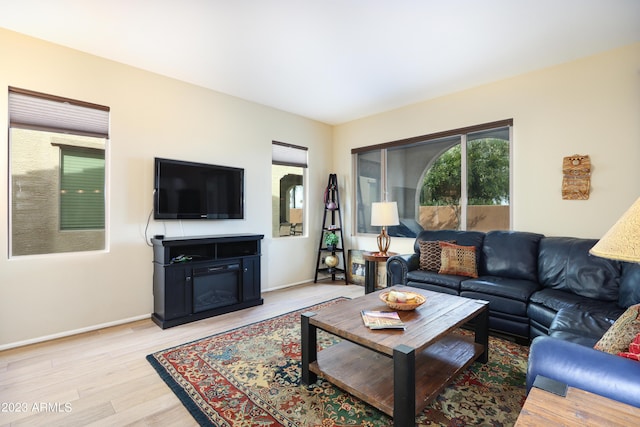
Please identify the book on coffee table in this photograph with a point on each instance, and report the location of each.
(382, 320)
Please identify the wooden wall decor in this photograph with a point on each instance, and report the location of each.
(576, 177)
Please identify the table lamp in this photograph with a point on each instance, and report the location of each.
(622, 241)
(384, 214)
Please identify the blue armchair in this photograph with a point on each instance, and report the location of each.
(583, 367)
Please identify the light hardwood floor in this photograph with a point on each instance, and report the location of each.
(102, 378)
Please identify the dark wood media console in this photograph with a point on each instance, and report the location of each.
(199, 277)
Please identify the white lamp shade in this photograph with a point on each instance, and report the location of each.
(384, 213)
(622, 241)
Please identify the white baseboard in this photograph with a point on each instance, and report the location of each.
(288, 285)
(303, 282)
(73, 332)
(109, 324)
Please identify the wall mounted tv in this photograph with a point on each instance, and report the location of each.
(190, 190)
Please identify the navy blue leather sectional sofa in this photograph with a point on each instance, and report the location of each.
(546, 289)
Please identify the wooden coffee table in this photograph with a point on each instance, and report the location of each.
(396, 371)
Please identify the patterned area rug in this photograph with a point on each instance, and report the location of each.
(250, 376)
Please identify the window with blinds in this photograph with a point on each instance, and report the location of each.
(57, 174)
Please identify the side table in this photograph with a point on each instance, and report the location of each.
(578, 408)
(371, 260)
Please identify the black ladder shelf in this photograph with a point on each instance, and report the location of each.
(331, 214)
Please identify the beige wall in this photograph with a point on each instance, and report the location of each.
(43, 296)
(589, 106)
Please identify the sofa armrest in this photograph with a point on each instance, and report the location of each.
(399, 265)
(585, 368)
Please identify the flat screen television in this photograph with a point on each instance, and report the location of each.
(190, 190)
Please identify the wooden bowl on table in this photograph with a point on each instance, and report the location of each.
(413, 300)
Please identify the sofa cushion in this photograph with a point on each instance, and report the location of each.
(500, 304)
(430, 254)
(432, 287)
(458, 260)
(504, 295)
(621, 333)
(579, 326)
(515, 289)
(557, 300)
(564, 263)
(511, 254)
(546, 303)
(442, 280)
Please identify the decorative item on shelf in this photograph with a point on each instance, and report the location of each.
(576, 177)
(330, 204)
(384, 214)
(331, 240)
(331, 261)
(622, 241)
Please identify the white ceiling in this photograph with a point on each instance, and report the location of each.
(332, 60)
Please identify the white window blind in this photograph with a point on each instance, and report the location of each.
(288, 154)
(37, 111)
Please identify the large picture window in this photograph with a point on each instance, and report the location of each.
(458, 179)
(57, 174)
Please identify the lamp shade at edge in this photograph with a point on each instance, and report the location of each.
(622, 241)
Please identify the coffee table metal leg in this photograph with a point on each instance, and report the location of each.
(404, 386)
(482, 333)
(308, 347)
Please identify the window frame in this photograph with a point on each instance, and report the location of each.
(459, 132)
(65, 117)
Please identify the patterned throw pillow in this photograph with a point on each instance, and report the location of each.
(621, 333)
(458, 260)
(430, 254)
(634, 350)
